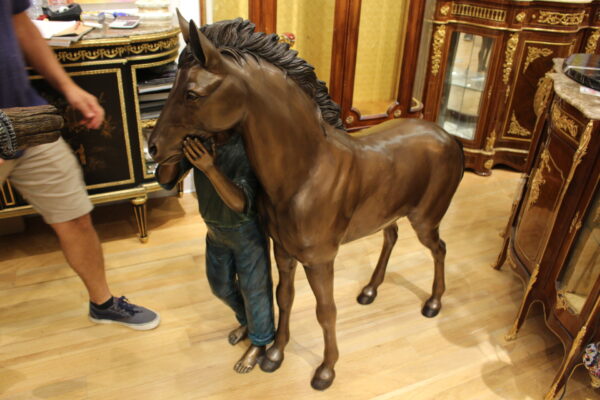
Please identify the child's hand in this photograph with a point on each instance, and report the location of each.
(197, 154)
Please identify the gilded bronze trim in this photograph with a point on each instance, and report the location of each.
(533, 53)
(503, 28)
(436, 53)
(145, 46)
(521, 16)
(563, 123)
(575, 223)
(592, 42)
(575, 348)
(496, 150)
(445, 9)
(538, 179)
(557, 18)
(515, 128)
(485, 13)
(542, 95)
(512, 334)
(489, 164)
(509, 54)
(490, 141)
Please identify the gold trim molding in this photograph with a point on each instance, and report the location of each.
(521, 16)
(556, 18)
(533, 53)
(488, 14)
(592, 43)
(111, 53)
(575, 223)
(542, 94)
(436, 53)
(509, 55)
(445, 9)
(515, 128)
(490, 141)
(562, 122)
(538, 178)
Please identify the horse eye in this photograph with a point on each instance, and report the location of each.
(191, 95)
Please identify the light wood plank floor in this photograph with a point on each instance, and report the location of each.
(49, 349)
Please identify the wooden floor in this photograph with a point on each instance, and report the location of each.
(49, 349)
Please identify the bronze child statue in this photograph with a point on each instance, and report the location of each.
(237, 257)
(321, 187)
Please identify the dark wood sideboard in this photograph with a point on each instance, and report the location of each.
(486, 61)
(108, 64)
(552, 240)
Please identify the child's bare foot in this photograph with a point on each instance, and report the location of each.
(249, 359)
(237, 335)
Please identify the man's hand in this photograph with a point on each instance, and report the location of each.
(197, 154)
(87, 104)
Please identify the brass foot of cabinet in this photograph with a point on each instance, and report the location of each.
(139, 209)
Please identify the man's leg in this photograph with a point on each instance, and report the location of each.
(50, 179)
(82, 249)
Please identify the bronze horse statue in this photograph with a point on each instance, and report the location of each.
(321, 186)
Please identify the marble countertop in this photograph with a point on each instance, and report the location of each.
(143, 28)
(568, 90)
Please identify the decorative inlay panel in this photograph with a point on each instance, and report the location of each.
(533, 53)
(563, 122)
(556, 18)
(438, 42)
(515, 128)
(592, 43)
(489, 14)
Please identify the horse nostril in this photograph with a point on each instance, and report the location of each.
(152, 150)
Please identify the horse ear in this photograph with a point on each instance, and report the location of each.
(203, 50)
(184, 26)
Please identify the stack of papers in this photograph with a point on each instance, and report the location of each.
(61, 33)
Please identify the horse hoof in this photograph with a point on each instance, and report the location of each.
(431, 309)
(271, 361)
(367, 296)
(323, 378)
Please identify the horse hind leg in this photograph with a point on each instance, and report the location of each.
(369, 292)
(430, 237)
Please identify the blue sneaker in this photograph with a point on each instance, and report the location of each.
(124, 313)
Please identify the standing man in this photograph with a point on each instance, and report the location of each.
(48, 176)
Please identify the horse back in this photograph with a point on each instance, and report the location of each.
(405, 167)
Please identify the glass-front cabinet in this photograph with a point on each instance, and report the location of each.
(485, 72)
(582, 269)
(552, 240)
(464, 83)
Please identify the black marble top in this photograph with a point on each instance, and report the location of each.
(584, 69)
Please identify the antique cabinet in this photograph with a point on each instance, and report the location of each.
(107, 64)
(486, 62)
(553, 236)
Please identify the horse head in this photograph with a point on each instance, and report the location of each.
(207, 97)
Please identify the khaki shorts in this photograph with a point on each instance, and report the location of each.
(49, 177)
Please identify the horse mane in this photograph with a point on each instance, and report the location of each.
(238, 36)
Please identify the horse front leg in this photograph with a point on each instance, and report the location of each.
(286, 265)
(320, 278)
(369, 292)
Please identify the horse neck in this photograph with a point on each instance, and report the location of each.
(283, 135)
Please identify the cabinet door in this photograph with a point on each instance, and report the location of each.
(523, 73)
(105, 154)
(549, 182)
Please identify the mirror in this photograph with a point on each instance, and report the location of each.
(583, 265)
(466, 74)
